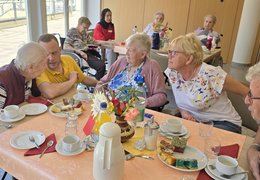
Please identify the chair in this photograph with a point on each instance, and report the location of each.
(4, 175)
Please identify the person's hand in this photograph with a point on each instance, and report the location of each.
(187, 115)
(83, 55)
(73, 76)
(253, 156)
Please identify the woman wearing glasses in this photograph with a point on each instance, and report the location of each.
(253, 102)
(199, 88)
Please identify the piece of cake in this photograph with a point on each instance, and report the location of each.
(179, 143)
(191, 163)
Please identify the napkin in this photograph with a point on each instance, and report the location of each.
(230, 150)
(89, 125)
(36, 151)
(32, 99)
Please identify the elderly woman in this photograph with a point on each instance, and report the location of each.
(253, 102)
(134, 64)
(158, 19)
(199, 88)
(202, 33)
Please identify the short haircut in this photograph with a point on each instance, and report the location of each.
(214, 18)
(47, 38)
(141, 40)
(253, 72)
(85, 20)
(190, 45)
(30, 54)
(159, 13)
(103, 13)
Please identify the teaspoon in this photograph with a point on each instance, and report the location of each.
(49, 144)
(7, 126)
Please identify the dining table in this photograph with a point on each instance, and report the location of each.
(56, 166)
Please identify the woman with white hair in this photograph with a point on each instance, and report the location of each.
(135, 64)
(17, 79)
(253, 101)
(199, 88)
(158, 20)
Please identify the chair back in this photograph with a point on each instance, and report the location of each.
(60, 39)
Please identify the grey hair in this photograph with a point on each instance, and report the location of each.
(141, 40)
(253, 71)
(159, 13)
(214, 18)
(29, 54)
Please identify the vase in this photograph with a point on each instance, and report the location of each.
(127, 131)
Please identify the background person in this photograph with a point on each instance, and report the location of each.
(62, 71)
(253, 102)
(17, 79)
(136, 63)
(199, 88)
(158, 20)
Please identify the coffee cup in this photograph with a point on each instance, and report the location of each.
(11, 111)
(71, 143)
(83, 95)
(175, 125)
(226, 165)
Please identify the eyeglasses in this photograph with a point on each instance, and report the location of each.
(173, 52)
(250, 97)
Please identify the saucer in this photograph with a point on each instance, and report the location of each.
(215, 174)
(165, 129)
(59, 149)
(34, 109)
(20, 116)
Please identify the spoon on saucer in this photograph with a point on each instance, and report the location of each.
(7, 126)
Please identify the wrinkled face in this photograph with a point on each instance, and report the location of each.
(108, 17)
(134, 55)
(54, 52)
(177, 58)
(83, 28)
(254, 104)
(208, 23)
(35, 70)
(158, 19)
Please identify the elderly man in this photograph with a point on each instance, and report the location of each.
(62, 71)
(78, 40)
(17, 79)
(253, 102)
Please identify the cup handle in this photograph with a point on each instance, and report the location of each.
(2, 111)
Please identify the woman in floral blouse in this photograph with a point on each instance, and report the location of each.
(199, 88)
(136, 63)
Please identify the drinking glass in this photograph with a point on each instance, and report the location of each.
(212, 147)
(205, 128)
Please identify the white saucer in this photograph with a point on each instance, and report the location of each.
(21, 140)
(20, 116)
(34, 108)
(215, 174)
(165, 129)
(59, 149)
(169, 136)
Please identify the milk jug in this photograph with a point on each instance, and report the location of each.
(109, 157)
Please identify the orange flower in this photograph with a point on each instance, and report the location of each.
(131, 114)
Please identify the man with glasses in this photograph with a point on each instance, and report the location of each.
(253, 102)
(62, 72)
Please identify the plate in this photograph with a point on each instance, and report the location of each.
(166, 130)
(21, 139)
(61, 114)
(59, 149)
(34, 109)
(20, 116)
(216, 174)
(169, 136)
(80, 99)
(189, 153)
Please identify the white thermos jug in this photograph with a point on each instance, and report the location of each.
(109, 157)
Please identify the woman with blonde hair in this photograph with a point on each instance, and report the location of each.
(199, 88)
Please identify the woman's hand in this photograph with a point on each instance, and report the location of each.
(253, 156)
(186, 115)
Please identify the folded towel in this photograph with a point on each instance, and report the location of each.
(36, 151)
(230, 150)
(32, 99)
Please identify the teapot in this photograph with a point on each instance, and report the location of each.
(109, 157)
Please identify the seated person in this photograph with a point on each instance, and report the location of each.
(62, 71)
(105, 31)
(158, 20)
(200, 89)
(202, 33)
(78, 39)
(253, 102)
(17, 79)
(123, 72)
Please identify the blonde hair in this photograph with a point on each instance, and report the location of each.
(159, 13)
(84, 20)
(190, 45)
(253, 72)
(214, 18)
(141, 40)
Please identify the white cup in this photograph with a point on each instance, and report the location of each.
(11, 111)
(83, 95)
(226, 165)
(71, 143)
(175, 125)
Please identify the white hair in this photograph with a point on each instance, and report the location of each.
(253, 72)
(29, 54)
(141, 40)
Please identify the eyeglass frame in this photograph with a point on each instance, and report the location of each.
(250, 97)
(174, 52)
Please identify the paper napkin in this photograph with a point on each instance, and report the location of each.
(32, 99)
(36, 151)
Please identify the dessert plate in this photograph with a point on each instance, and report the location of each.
(169, 135)
(216, 174)
(62, 114)
(21, 139)
(59, 149)
(20, 116)
(189, 153)
(34, 109)
(165, 129)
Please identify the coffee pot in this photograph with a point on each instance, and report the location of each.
(109, 157)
